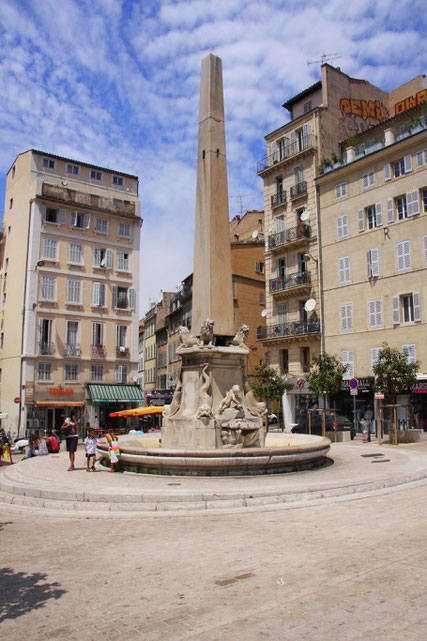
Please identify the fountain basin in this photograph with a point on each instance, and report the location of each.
(282, 453)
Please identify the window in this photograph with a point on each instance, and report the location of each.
(74, 292)
(95, 175)
(44, 371)
(373, 260)
(49, 249)
(118, 180)
(13, 171)
(123, 297)
(403, 255)
(71, 333)
(121, 337)
(342, 226)
(425, 249)
(402, 209)
(75, 253)
(262, 295)
(98, 294)
(101, 225)
(421, 158)
(307, 106)
(284, 360)
(408, 306)
(79, 220)
(233, 285)
(96, 373)
(102, 257)
(340, 190)
(282, 313)
(408, 205)
(424, 197)
(71, 372)
(120, 374)
(402, 167)
(48, 163)
(375, 353)
(305, 359)
(123, 261)
(368, 179)
(97, 334)
(11, 203)
(280, 224)
(259, 268)
(46, 336)
(347, 358)
(346, 317)
(299, 174)
(410, 352)
(48, 288)
(124, 230)
(344, 269)
(370, 217)
(375, 313)
(73, 169)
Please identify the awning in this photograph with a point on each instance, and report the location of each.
(140, 411)
(116, 393)
(60, 403)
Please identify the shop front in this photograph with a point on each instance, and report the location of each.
(47, 407)
(103, 399)
(296, 402)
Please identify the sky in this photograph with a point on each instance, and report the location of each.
(116, 83)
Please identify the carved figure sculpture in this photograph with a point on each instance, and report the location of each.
(205, 408)
(170, 410)
(187, 339)
(254, 407)
(232, 401)
(241, 336)
(206, 333)
(231, 438)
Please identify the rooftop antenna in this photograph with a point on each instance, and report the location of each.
(326, 57)
(241, 201)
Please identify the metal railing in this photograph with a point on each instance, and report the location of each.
(300, 189)
(72, 349)
(46, 349)
(98, 351)
(289, 282)
(288, 235)
(278, 199)
(284, 330)
(122, 352)
(287, 151)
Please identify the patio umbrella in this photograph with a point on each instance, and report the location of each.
(140, 411)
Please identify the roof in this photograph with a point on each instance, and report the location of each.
(302, 94)
(115, 393)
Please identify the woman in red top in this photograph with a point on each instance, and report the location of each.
(52, 443)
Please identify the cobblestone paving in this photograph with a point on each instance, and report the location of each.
(348, 571)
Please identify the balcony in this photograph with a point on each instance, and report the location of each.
(298, 190)
(46, 349)
(92, 201)
(98, 351)
(288, 236)
(278, 199)
(292, 284)
(72, 349)
(122, 352)
(287, 152)
(289, 330)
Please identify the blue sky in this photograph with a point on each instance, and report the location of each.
(116, 83)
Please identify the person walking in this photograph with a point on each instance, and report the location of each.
(90, 447)
(70, 428)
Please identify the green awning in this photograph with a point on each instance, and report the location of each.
(116, 393)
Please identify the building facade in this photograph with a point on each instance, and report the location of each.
(69, 331)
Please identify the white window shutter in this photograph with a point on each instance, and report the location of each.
(131, 298)
(372, 313)
(293, 148)
(114, 298)
(412, 202)
(274, 151)
(375, 352)
(369, 261)
(375, 263)
(43, 212)
(109, 258)
(421, 158)
(361, 219)
(407, 162)
(345, 225)
(378, 215)
(387, 171)
(73, 218)
(425, 249)
(417, 306)
(347, 358)
(395, 302)
(340, 227)
(87, 221)
(95, 293)
(410, 352)
(61, 216)
(390, 210)
(102, 294)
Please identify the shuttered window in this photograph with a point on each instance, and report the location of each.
(344, 269)
(373, 259)
(375, 313)
(375, 353)
(346, 317)
(342, 226)
(347, 358)
(410, 352)
(403, 255)
(368, 179)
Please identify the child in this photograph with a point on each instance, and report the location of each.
(113, 451)
(90, 447)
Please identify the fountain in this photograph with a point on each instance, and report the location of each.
(214, 425)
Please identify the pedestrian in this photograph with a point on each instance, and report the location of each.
(70, 429)
(52, 443)
(113, 451)
(42, 447)
(33, 446)
(90, 447)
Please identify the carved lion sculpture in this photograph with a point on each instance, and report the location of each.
(241, 336)
(187, 339)
(206, 333)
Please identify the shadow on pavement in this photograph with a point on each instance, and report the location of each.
(21, 593)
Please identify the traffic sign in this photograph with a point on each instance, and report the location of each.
(353, 383)
(353, 392)
(379, 396)
(17, 399)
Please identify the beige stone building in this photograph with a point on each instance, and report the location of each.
(374, 253)
(70, 273)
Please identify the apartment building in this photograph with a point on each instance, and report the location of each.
(69, 330)
(374, 254)
(328, 112)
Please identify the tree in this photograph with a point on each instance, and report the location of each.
(325, 376)
(393, 373)
(268, 385)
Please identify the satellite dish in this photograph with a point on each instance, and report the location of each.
(255, 233)
(310, 305)
(305, 216)
(264, 313)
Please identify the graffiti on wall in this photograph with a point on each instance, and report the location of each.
(411, 101)
(366, 109)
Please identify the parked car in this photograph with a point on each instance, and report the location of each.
(343, 424)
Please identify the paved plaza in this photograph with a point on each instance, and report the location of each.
(298, 564)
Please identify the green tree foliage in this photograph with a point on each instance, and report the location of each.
(392, 373)
(268, 384)
(326, 374)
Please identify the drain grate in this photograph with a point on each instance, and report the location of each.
(371, 455)
(381, 460)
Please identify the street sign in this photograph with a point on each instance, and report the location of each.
(17, 399)
(353, 392)
(379, 396)
(353, 383)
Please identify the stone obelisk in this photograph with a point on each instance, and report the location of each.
(212, 276)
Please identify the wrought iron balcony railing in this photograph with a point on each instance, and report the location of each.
(72, 349)
(278, 199)
(286, 151)
(122, 352)
(46, 349)
(284, 330)
(288, 236)
(300, 189)
(98, 351)
(289, 282)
